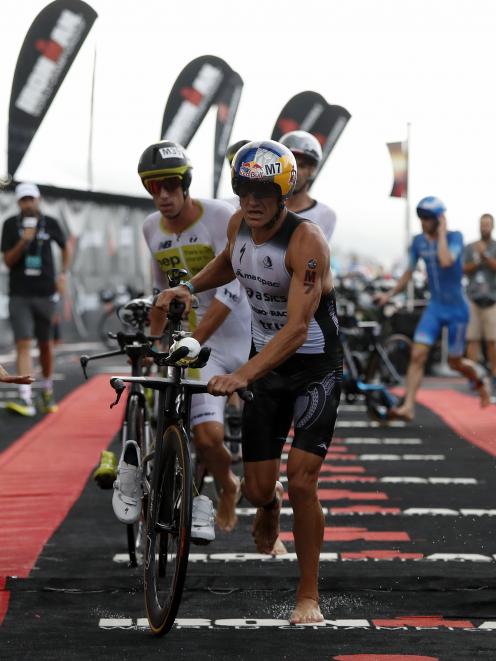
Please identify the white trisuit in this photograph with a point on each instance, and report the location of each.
(192, 250)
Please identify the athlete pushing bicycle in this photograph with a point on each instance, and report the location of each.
(295, 368)
(186, 233)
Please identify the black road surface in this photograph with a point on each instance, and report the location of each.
(407, 571)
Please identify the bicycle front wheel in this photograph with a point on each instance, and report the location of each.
(168, 530)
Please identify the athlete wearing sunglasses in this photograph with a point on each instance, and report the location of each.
(188, 233)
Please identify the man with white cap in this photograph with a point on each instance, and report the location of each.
(33, 288)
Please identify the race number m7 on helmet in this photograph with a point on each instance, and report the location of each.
(164, 160)
(304, 143)
(265, 162)
(430, 208)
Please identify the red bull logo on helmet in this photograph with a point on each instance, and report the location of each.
(251, 169)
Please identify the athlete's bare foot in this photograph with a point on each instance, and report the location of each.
(226, 508)
(278, 548)
(402, 412)
(484, 391)
(266, 525)
(307, 611)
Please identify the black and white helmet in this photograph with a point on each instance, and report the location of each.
(304, 143)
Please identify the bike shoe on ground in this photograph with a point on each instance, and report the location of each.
(106, 473)
(202, 522)
(128, 491)
(47, 402)
(21, 407)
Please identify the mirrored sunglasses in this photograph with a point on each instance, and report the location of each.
(154, 186)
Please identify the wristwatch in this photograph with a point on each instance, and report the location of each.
(189, 285)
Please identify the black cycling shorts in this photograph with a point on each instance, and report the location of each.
(305, 390)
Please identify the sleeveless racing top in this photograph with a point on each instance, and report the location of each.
(193, 249)
(262, 271)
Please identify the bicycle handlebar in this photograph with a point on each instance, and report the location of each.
(124, 340)
(118, 383)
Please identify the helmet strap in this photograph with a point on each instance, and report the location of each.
(276, 216)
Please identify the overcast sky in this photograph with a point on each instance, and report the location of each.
(389, 62)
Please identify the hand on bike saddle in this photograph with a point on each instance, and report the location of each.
(180, 293)
(226, 384)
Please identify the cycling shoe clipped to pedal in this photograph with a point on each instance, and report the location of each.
(202, 521)
(128, 489)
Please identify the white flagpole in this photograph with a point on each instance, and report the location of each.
(406, 149)
(90, 136)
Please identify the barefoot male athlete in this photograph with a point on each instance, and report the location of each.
(186, 232)
(295, 367)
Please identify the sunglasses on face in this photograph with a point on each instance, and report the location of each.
(259, 191)
(154, 186)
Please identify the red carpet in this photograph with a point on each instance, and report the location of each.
(464, 415)
(45, 471)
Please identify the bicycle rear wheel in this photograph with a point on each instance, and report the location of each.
(168, 530)
(397, 348)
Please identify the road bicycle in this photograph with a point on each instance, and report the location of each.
(370, 365)
(168, 490)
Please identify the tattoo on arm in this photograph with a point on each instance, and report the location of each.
(309, 281)
(310, 276)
